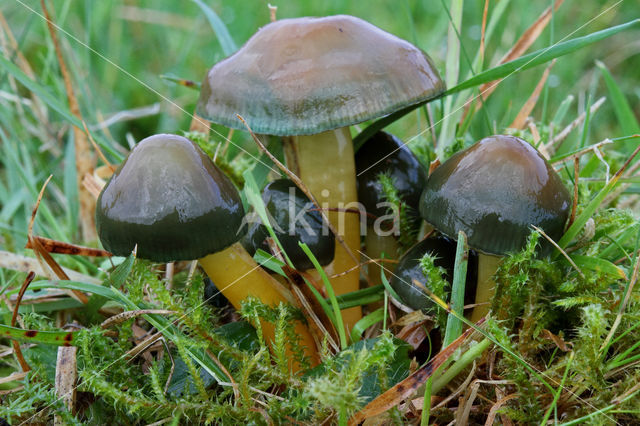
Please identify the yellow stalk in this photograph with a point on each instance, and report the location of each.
(237, 276)
(327, 168)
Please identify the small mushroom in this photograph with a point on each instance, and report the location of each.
(384, 153)
(311, 78)
(443, 249)
(494, 191)
(170, 200)
(294, 219)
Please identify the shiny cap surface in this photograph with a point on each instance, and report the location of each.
(308, 75)
(494, 191)
(171, 200)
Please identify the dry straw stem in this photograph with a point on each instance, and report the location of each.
(16, 345)
(60, 247)
(553, 144)
(524, 42)
(66, 377)
(521, 118)
(123, 316)
(43, 254)
(85, 160)
(408, 386)
(560, 250)
(12, 50)
(16, 262)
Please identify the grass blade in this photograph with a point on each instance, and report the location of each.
(339, 324)
(57, 338)
(52, 102)
(219, 28)
(451, 72)
(621, 107)
(542, 56)
(366, 322)
(454, 325)
(525, 62)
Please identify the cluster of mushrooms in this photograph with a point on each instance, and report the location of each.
(306, 81)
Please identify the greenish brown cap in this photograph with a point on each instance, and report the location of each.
(384, 153)
(409, 268)
(494, 191)
(171, 200)
(307, 75)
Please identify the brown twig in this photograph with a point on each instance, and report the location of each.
(16, 345)
(123, 316)
(60, 247)
(97, 148)
(85, 161)
(521, 118)
(576, 176)
(42, 254)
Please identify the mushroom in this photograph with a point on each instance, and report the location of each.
(170, 200)
(311, 78)
(384, 153)
(443, 249)
(294, 220)
(494, 191)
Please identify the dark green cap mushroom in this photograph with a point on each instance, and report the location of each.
(170, 200)
(494, 191)
(385, 153)
(294, 220)
(443, 250)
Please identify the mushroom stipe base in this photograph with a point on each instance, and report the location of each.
(238, 276)
(487, 267)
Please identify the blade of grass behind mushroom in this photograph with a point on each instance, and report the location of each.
(84, 159)
(506, 70)
(626, 118)
(593, 205)
(452, 69)
(219, 28)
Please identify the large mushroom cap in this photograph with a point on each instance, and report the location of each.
(307, 75)
(494, 191)
(385, 153)
(171, 200)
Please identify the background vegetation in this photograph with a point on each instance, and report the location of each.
(123, 58)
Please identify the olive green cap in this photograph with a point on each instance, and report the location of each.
(308, 75)
(294, 219)
(409, 268)
(171, 200)
(494, 191)
(384, 153)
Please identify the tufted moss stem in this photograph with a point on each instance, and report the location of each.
(238, 276)
(326, 166)
(487, 266)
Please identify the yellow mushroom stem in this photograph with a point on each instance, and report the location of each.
(237, 276)
(326, 166)
(485, 289)
(377, 245)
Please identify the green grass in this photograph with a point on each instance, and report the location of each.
(118, 52)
